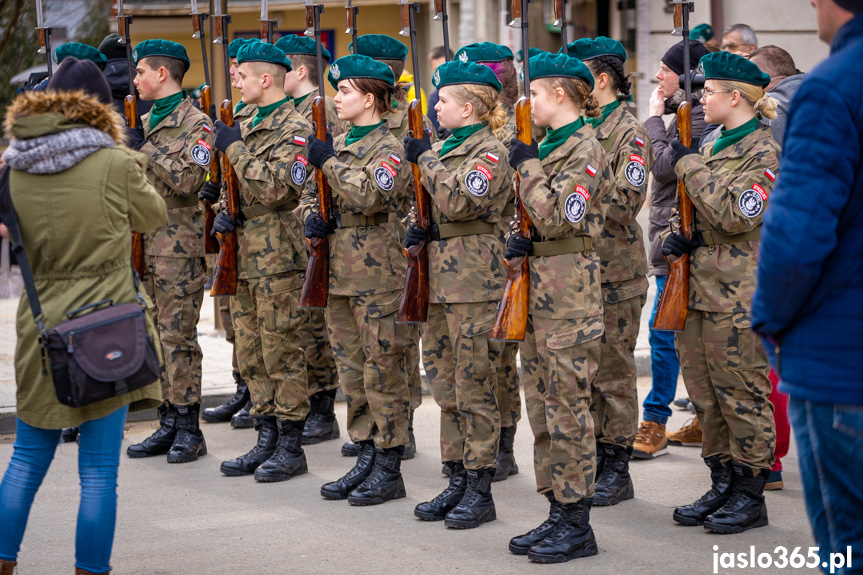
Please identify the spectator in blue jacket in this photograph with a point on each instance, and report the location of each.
(809, 302)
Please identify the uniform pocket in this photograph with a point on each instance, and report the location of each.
(275, 305)
(748, 352)
(194, 281)
(475, 349)
(381, 313)
(848, 420)
(578, 332)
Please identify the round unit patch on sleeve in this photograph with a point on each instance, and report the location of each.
(575, 205)
(476, 182)
(750, 203)
(384, 178)
(298, 172)
(634, 171)
(201, 155)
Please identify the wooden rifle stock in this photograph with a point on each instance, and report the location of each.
(211, 244)
(674, 301)
(225, 274)
(415, 295)
(511, 321)
(130, 107)
(316, 287)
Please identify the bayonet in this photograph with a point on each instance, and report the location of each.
(351, 12)
(267, 25)
(45, 37)
(442, 16)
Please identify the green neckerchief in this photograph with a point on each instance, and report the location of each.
(301, 99)
(357, 133)
(394, 103)
(240, 105)
(604, 113)
(554, 138)
(459, 135)
(730, 137)
(163, 107)
(264, 111)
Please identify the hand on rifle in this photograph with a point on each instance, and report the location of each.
(443, 133)
(210, 192)
(414, 147)
(136, 137)
(414, 236)
(676, 245)
(320, 151)
(316, 227)
(225, 224)
(518, 247)
(519, 152)
(226, 135)
(678, 150)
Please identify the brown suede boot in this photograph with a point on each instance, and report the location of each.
(79, 571)
(7, 567)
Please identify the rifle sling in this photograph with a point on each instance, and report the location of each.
(360, 220)
(260, 209)
(175, 202)
(714, 238)
(560, 247)
(439, 232)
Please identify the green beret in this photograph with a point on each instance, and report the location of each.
(548, 65)
(263, 52)
(293, 44)
(481, 52)
(235, 45)
(379, 47)
(359, 66)
(531, 52)
(587, 48)
(196, 93)
(458, 72)
(702, 33)
(164, 48)
(80, 52)
(728, 66)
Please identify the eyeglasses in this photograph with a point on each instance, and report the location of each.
(708, 93)
(731, 46)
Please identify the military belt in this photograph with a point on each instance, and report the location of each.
(559, 247)
(175, 202)
(714, 238)
(261, 209)
(508, 209)
(438, 232)
(360, 220)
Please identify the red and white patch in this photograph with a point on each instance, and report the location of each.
(206, 128)
(760, 191)
(770, 175)
(484, 171)
(583, 192)
(303, 159)
(205, 144)
(492, 158)
(395, 159)
(299, 140)
(591, 171)
(636, 158)
(639, 141)
(389, 168)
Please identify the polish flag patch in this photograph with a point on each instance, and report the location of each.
(205, 144)
(492, 158)
(760, 191)
(639, 141)
(770, 175)
(591, 171)
(206, 128)
(303, 159)
(389, 168)
(395, 159)
(580, 190)
(636, 158)
(484, 170)
(299, 140)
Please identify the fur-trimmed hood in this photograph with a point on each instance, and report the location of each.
(34, 114)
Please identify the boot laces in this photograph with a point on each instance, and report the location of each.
(643, 434)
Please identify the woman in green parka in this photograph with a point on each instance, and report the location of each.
(78, 194)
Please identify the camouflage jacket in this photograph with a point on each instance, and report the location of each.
(473, 181)
(179, 149)
(247, 111)
(510, 130)
(368, 177)
(397, 122)
(621, 247)
(566, 199)
(272, 170)
(335, 126)
(730, 193)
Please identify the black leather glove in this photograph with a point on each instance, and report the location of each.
(226, 135)
(320, 151)
(518, 247)
(414, 147)
(676, 245)
(225, 224)
(414, 236)
(317, 227)
(136, 137)
(212, 113)
(443, 133)
(678, 150)
(520, 152)
(210, 192)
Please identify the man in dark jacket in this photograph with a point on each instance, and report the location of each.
(116, 73)
(650, 441)
(809, 298)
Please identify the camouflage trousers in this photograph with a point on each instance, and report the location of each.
(508, 388)
(369, 349)
(176, 288)
(412, 357)
(266, 321)
(614, 397)
(315, 341)
(224, 304)
(726, 372)
(462, 363)
(559, 359)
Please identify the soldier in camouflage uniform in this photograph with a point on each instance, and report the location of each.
(177, 137)
(623, 259)
(470, 183)
(267, 151)
(566, 188)
(369, 181)
(724, 365)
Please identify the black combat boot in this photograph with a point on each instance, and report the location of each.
(321, 424)
(227, 410)
(437, 508)
(341, 488)
(350, 449)
(384, 482)
(268, 437)
(189, 442)
(600, 458)
(720, 492)
(162, 439)
(476, 506)
(614, 484)
(411, 447)
(745, 508)
(572, 536)
(69, 435)
(243, 418)
(506, 464)
(288, 459)
(521, 545)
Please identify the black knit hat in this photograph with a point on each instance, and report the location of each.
(84, 75)
(112, 48)
(674, 57)
(850, 5)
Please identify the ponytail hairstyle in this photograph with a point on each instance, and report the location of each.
(383, 92)
(754, 95)
(401, 88)
(578, 91)
(485, 101)
(613, 66)
(508, 77)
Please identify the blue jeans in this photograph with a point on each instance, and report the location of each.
(664, 367)
(98, 460)
(830, 451)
